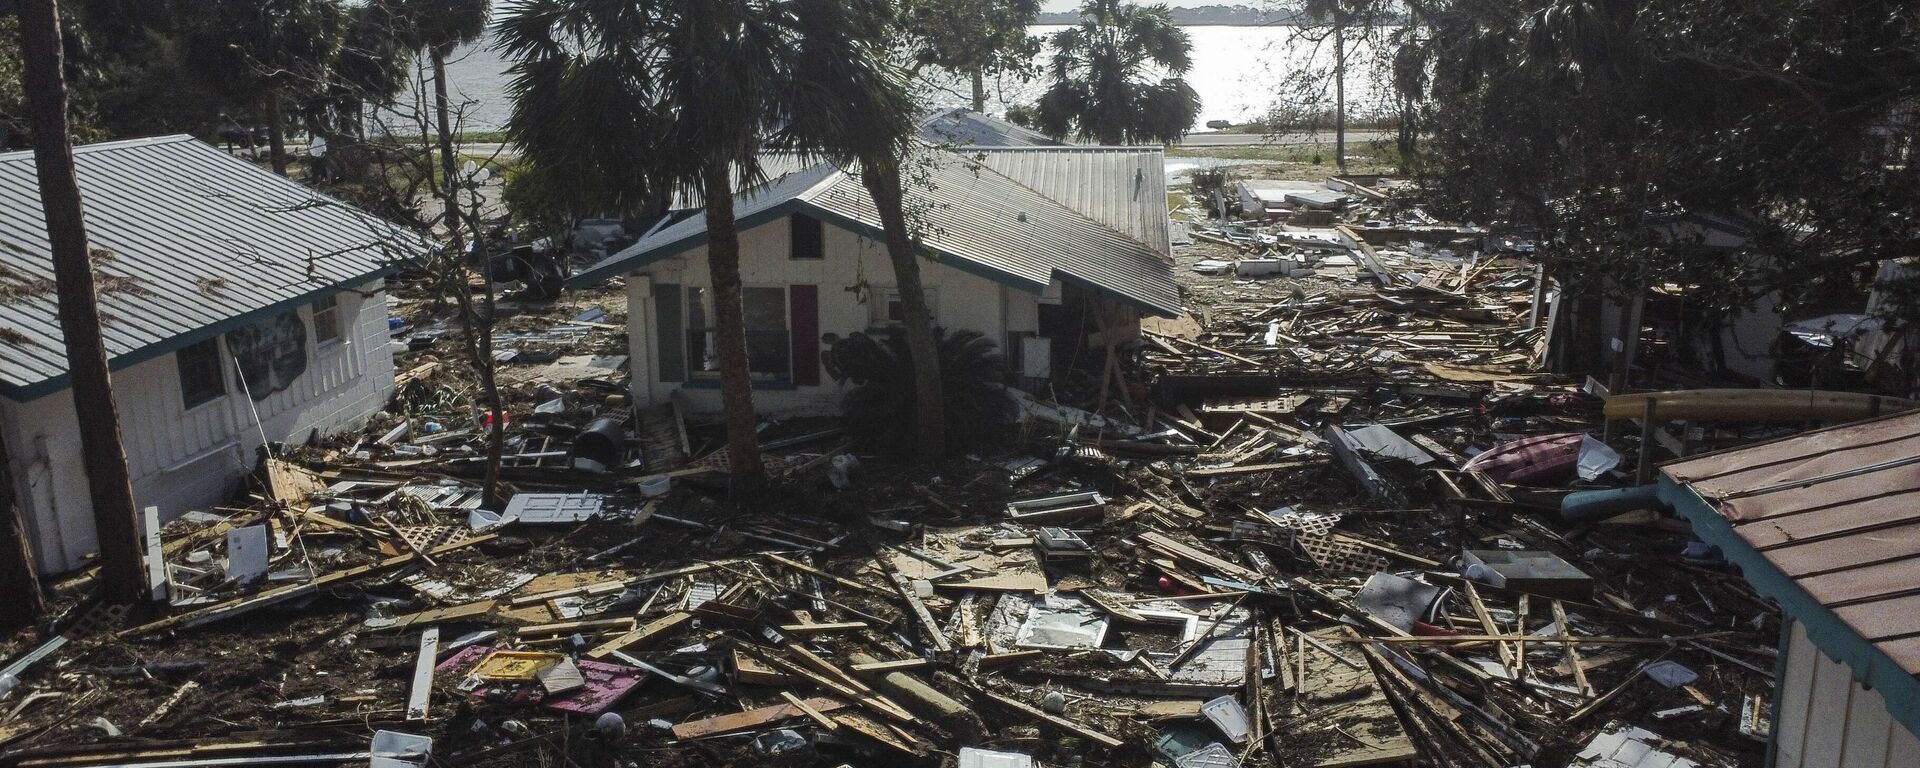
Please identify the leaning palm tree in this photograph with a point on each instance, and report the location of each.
(684, 95)
(1103, 70)
(854, 107)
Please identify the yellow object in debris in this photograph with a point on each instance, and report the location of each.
(515, 665)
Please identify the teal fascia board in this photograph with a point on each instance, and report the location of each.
(44, 387)
(1827, 631)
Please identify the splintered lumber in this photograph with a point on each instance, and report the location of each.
(890, 666)
(845, 686)
(1573, 652)
(808, 569)
(422, 688)
(1248, 469)
(1168, 546)
(615, 585)
(754, 718)
(930, 627)
(813, 714)
(1367, 731)
(461, 612)
(277, 595)
(1486, 623)
(822, 628)
(653, 630)
(1039, 714)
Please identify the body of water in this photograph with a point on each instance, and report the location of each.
(1241, 74)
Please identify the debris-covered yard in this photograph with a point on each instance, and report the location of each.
(1321, 524)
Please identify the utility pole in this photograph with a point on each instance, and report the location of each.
(116, 521)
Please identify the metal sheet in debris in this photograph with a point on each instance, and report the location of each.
(1384, 442)
(1062, 622)
(538, 508)
(986, 758)
(1396, 600)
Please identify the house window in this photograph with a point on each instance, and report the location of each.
(201, 377)
(326, 319)
(769, 348)
(886, 311)
(809, 238)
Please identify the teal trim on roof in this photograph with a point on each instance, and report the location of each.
(1870, 665)
(176, 343)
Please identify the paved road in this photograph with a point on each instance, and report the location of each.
(1304, 137)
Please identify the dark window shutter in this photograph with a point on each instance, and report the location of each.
(809, 240)
(805, 306)
(668, 331)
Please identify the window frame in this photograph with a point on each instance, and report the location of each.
(214, 394)
(817, 232)
(880, 308)
(699, 299)
(332, 312)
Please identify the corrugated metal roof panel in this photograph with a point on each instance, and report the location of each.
(1121, 187)
(986, 221)
(1837, 511)
(200, 237)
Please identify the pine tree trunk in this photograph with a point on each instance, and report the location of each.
(116, 522)
(979, 90)
(930, 421)
(276, 131)
(19, 578)
(730, 332)
(1340, 94)
(478, 327)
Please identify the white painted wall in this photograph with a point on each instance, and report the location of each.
(962, 301)
(1823, 718)
(183, 459)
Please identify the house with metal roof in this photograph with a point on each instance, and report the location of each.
(1017, 240)
(1827, 525)
(238, 307)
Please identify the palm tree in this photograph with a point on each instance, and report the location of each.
(855, 108)
(116, 523)
(973, 38)
(1101, 71)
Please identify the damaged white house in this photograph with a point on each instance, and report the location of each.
(1016, 240)
(237, 307)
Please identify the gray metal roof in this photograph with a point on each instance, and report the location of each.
(1121, 187)
(965, 127)
(983, 221)
(207, 242)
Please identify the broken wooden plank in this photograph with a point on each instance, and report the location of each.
(1039, 714)
(813, 714)
(753, 718)
(238, 606)
(653, 630)
(823, 628)
(1175, 549)
(422, 689)
(891, 666)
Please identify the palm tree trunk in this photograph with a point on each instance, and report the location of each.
(115, 521)
(730, 332)
(19, 578)
(979, 89)
(276, 131)
(478, 329)
(930, 421)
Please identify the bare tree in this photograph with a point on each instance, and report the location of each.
(116, 522)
